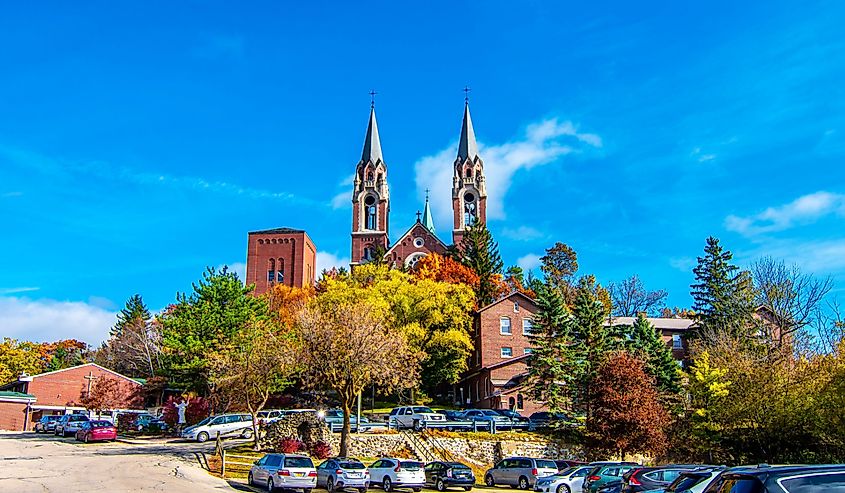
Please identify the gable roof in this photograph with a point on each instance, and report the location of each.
(657, 322)
(277, 231)
(507, 297)
(119, 375)
(408, 233)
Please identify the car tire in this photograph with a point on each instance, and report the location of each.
(306, 490)
(523, 483)
(489, 481)
(440, 485)
(203, 437)
(467, 488)
(362, 490)
(417, 425)
(387, 484)
(563, 489)
(85, 438)
(416, 490)
(330, 485)
(247, 433)
(270, 486)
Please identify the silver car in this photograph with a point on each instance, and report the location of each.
(341, 473)
(284, 471)
(567, 481)
(519, 472)
(69, 424)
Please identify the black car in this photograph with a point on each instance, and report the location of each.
(442, 475)
(515, 418)
(780, 479)
(611, 487)
(543, 419)
(652, 478)
(47, 423)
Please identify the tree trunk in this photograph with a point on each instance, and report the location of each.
(344, 433)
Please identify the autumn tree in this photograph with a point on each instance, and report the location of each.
(202, 323)
(63, 354)
(630, 297)
(646, 343)
(348, 347)
(109, 393)
(258, 361)
(559, 265)
(724, 295)
(480, 252)
(553, 365)
(445, 269)
(134, 347)
(17, 358)
(627, 416)
(285, 303)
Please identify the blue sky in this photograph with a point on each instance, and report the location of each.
(140, 141)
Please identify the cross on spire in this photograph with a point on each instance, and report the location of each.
(373, 98)
(466, 94)
(418, 216)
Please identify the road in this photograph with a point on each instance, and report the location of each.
(43, 463)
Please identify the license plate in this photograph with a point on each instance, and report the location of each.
(354, 474)
(299, 474)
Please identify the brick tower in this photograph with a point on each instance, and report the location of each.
(469, 191)
(280, 256)
(370, 198)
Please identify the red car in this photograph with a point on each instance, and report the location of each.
(92, 431)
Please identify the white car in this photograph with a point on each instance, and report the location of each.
(393, 473)
(224, 425)
(567, 481)
(415, 417)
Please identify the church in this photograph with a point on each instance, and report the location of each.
(288, 256)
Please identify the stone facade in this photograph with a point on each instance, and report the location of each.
(305, 426)
(280, 256)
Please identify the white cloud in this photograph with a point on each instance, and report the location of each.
(341, 200)
(327, 260)
(50, 320)
(683, 264)
(816, 257)
(702, 157)
(523, 233)
(543, 143)
(805, 209)
(529, 262)
(17, 290)
(238, 268)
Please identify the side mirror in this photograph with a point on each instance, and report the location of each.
(255, 462)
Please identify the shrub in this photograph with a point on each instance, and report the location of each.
(321, 450)
(290, 445)
(126, 422)
(198, 409)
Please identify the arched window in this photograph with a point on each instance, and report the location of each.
(511, 403)
(370, 213)
(369, 175)
(412, 259)
(519, 401)
(271, 270)
(280, 273)
(469, 173)
(369, 253)
(470, 209)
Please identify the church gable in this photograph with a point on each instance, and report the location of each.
(416, 243)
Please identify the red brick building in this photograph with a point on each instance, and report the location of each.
(280, 256)
(24, 401)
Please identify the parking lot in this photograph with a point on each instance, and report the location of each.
(45, 463)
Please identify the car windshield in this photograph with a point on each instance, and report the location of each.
(298, 462)
(546, 464)
(458, 465)
(352, 465)
(423, 410)
(410, 465)
(101, 424)
(684, 482)
(204, 422)
(490, 412)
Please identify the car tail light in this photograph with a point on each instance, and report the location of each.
(593, 478)
(633, 481)
(312, 474)
(366, 473)
(534, 471)
(283, 472)
(339, 472)
(398, 468)
(448, 473)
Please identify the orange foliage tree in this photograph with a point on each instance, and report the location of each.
(285, 303)
(444, 269)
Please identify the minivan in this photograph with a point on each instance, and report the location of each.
(519, 472)
(224, 425)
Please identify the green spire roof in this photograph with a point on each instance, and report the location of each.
(427, 221)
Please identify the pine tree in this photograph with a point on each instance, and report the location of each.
(134, 312)
(723, 295)
(647, 344)
(552, 366)
(592, 339)
(480, 252)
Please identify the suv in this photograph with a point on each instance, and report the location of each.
(413, 417)
(652, 478)
(567, 481)
(486, 416)
(224, 425)
(69, 424)
(694, 481)
(47, 423)
(606, 472)
(398, 473)
(343, 473)
(780, 479)
(334, 419)
(519, 472)
(283, 471)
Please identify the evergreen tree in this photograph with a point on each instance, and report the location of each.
(724, 295)
(552, 367)
(647, 344)
(134, 312)
(480, 252)
(592, 339)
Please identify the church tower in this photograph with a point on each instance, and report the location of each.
(469, 191)
(370, 198)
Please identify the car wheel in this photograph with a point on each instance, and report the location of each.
(467, 488)
(417, 490)
(362, 490)
(330, 485)
(563, 489)
(523, 483)
(306, 490)
(270, 486)
(249, 480)
(489, 481)
(440, 485)
(387, 484)
(85, 438)
(247, 433)
(202, 437)
(417, 425)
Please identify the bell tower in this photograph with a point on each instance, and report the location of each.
(370, 198)
(469, 190)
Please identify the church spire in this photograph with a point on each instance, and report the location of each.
(467, 148)
(372, 143)
(427, 221)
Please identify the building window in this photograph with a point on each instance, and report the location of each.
(280, 272)
(507, 352)
(519, 401)
(271, 271)
(677, 343)
(511, 403)
(470, 210)
(505, 326)
(370, 212)
(516, 307)
(527, 327)
(527, 350)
